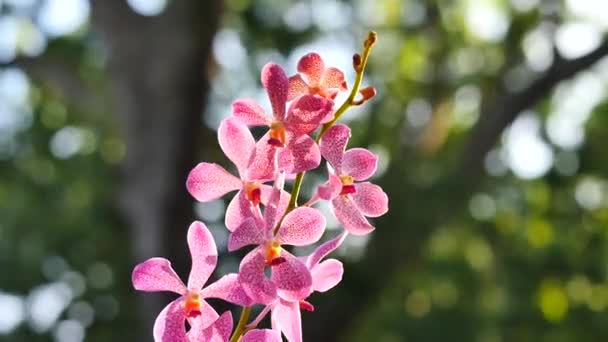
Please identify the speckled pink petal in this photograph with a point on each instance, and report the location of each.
(218, 331)
(359, 163)
(370, 199)
(334, 78)
(283, 202)
(349, 215)
(304, 152)
(262, 165)
(252, 279)
(238, 210)
(261, 335)
(169, 325)
(248, 233)
(297, 87)
(276, 84)
(331, 189)
(207, 317)
(203, 252)
(311, 66)
(307, 113)
(325, 249)
(292, 278)
(272, 211)
(250, 113)
(332, 145)
(303, 226)
(285, 317)
(209, 181)
(229, 289)
(156, 274)
(326, 275)
(237, 143)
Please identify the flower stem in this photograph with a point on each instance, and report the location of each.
(360, 69)
(240, 328)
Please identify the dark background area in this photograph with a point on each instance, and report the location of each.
(490, 122)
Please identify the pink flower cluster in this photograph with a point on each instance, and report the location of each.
(266, 217)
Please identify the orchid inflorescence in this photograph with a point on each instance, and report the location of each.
(267, 216)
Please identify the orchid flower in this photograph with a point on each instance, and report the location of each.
(351, 201)
(290, 277)
(156, 274)
(314, 78)
(219, 331)
(286, 146)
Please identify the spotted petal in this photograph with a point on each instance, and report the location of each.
(252, 279)
(325, 249)
(218, 331)
(332, 145)
(203, 252)
(304, 152)
(370, 199)
(311, 66)
(169, 325)
(250, 113)
(297, 87)
(229, 289)
(334, 78)
(359, 163)
(331, 189)
(261, 335)
(292, 278)
(237, 143)
(262, 165)
(326, 275)
(276, 84)
(156, 274)
(308, 112)
(347, 213)
(248, 233)
(208, 181)
(303, 226)
(286, 317)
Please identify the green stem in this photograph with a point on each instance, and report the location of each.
(240, 328)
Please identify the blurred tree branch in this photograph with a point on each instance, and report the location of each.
(498, 116)
(158, 68)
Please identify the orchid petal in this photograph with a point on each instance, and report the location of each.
(203, 252)
(292, 278)
(331, 189)
(208, 181)
(359, 163)
(286, 317)
(169, 325)
(304, 153)
(156, 274)
(250, 113)
(237, 143)
(334, 78)
(272, 211)
(252, 279)
(276, 84)
(239, 209)
(311, 66)
(261, 335)
(218, 331)
(302, 226)
(262, 165)
(248, 233)
(308, 112)
(324, 250)
(347, 213)
(326, 275)
(297, 87)
(370, 199)
(332, 145)
(229, 289)
(279, 208)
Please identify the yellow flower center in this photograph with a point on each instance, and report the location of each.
(277, 134)
(192, 305)
(273, 253)
(253, 192)
(348, 185)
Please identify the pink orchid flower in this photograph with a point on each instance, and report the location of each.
(290, 278)
(156, 274)
(209, 181)
(219, 331)
(285, 316)
(314, 78)
(350, 201)
(287, 145)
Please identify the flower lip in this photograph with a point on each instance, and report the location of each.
(273, 254)
(348, 185)
(277, 134)
(306, 306)
(192, 304)
(253, 192)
